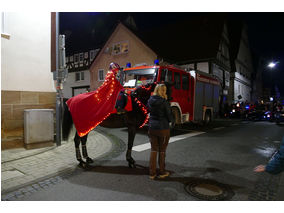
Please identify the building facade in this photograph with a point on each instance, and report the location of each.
(26, 77)
(218, 64)
(242, 70)
(78, 80)
(122, 47)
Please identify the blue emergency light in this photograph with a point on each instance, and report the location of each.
(156, 62)
(247, 106)
(128, 65)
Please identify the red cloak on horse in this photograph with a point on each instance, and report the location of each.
(89, 109)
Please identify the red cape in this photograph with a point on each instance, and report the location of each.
(89, 109)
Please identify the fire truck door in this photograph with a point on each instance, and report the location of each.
(180, 90)
(185, 93)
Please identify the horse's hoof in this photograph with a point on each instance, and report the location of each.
(89, 160)
(82, 165)
(131, 165)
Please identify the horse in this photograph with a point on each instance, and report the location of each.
(134, 119)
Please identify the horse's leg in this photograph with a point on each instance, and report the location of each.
(84, 149)
(77, 140)
(131, 136)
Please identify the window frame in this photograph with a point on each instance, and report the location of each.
(187, 82)
(175, 81)
(76, 58)
(99, 71)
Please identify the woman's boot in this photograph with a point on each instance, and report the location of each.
(163, 172)
(152, 165)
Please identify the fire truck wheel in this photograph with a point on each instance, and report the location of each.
(176, 116)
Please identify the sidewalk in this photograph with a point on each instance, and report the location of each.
(20, 167)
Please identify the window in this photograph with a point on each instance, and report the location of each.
(79, 76)
(166, 75)
(92, 55)
(185, 82)
(120, 47)
(71, 58)
(124, 47)
(76, 58)
(101, 75)
(177, 80)
(116, 49)
(81, 57)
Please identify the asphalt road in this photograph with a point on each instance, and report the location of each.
(225, 152)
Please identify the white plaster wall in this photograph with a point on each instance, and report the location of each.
(203, 66)
(218, 72)
(26, 63)
(244, 92)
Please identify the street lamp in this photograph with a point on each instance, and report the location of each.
(272, 64)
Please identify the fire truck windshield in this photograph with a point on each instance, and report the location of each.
(138, 77)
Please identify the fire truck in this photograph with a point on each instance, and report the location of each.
(195, 95)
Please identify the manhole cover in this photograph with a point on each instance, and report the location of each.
(209, 190)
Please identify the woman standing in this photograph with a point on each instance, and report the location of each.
(159, 130)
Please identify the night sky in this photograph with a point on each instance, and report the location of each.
(265, 30)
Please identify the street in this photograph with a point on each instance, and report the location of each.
(224, 152)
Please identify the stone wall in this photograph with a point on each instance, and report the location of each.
(13, 104)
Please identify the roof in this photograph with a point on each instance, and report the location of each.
(235, 27)
(193, 39)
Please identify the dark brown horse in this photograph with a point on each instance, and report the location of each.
(130, 119)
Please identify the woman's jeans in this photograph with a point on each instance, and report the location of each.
(159, 139)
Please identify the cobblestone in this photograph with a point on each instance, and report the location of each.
(37, 164)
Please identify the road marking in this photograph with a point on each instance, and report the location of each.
(235, 124)
(218, 128)
(145, 146)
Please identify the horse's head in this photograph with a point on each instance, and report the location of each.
(143, 93)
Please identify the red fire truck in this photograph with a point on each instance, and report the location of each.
(195, 95)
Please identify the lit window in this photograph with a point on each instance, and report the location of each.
(116, 49)
(124, 47)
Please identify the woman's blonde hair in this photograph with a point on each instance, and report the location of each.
(161, 90)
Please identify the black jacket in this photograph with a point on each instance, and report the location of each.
(160, 113)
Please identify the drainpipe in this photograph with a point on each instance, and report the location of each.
(60, 76)
(58, 99)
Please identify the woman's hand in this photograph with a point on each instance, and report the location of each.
(259, 168)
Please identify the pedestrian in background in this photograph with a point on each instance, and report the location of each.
(276, 164)
(159, 130)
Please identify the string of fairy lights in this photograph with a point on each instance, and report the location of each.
(111, 77)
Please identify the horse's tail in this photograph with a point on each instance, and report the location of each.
(66, 121)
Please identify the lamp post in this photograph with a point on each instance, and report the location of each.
(272, 66)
